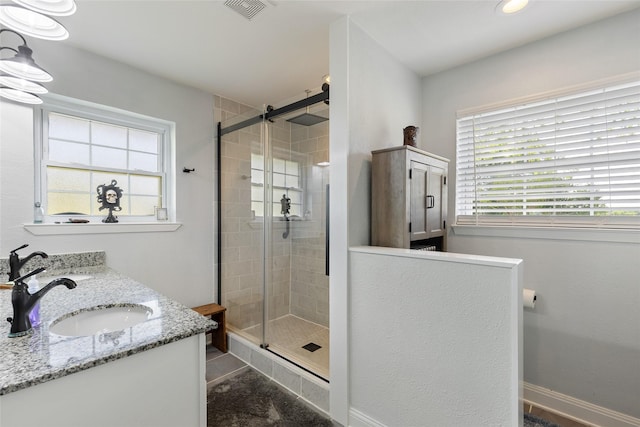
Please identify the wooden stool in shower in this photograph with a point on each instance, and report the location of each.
(217, 313)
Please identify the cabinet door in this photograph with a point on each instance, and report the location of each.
(435, 202)
(418, 185)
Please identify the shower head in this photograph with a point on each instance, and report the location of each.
(307, 119)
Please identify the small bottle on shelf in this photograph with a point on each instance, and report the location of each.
(38, 214)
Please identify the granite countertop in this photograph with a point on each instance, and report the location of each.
(42, 356)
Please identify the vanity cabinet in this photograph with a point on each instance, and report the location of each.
(150, 374)
(161, 387)
(408, 199)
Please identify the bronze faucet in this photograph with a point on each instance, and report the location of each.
(15, 263)
(23, 302)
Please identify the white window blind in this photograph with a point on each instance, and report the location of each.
(569, 161)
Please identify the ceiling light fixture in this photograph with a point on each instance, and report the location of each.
(49, 7)
(19, 96)
(22, 84)
(22, 65)
(31, 23)
(509, 7)
(20, 75)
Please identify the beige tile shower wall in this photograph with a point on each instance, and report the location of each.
(280, 285)
(309, 284)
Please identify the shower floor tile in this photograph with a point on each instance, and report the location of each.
(288, 334)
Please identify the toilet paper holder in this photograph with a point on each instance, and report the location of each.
(529, 298)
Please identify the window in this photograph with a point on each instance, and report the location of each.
(286, 181)
(572, 160)
(84, 146)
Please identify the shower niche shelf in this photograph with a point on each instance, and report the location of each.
(408, 199)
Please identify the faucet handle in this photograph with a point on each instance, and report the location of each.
(26, 276)
(21, 247)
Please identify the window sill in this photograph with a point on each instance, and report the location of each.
(100, 228)
(552, 233)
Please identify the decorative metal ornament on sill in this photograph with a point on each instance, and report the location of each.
(109, 197)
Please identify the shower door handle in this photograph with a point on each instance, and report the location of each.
(326, 233)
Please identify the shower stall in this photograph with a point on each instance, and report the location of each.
(273, 228)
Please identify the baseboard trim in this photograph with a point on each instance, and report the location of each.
(576, 409)
(359, 419)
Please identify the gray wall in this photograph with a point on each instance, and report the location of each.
(583, 338)
(178, 264)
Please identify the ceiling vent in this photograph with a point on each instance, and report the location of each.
(246, 8)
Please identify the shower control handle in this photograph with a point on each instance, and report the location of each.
(285, 205)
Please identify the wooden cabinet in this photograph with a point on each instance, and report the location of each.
(408, 198)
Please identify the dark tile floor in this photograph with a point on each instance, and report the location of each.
(221, 366)
(224, 366)
(239, 396)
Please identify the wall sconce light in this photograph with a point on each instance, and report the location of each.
(30, 17)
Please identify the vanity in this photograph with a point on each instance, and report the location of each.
(151, 373)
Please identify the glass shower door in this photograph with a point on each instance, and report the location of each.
(274, 179)
(297, 289)
(242, 228)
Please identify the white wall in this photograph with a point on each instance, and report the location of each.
(384, 98)
(179, 264)
(373, 98)
(435, 339)
(583, 338)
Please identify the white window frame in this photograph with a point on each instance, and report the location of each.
(91, 111)
(497, 222)
(300, 190)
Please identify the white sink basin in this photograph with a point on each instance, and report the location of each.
(99, 320)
